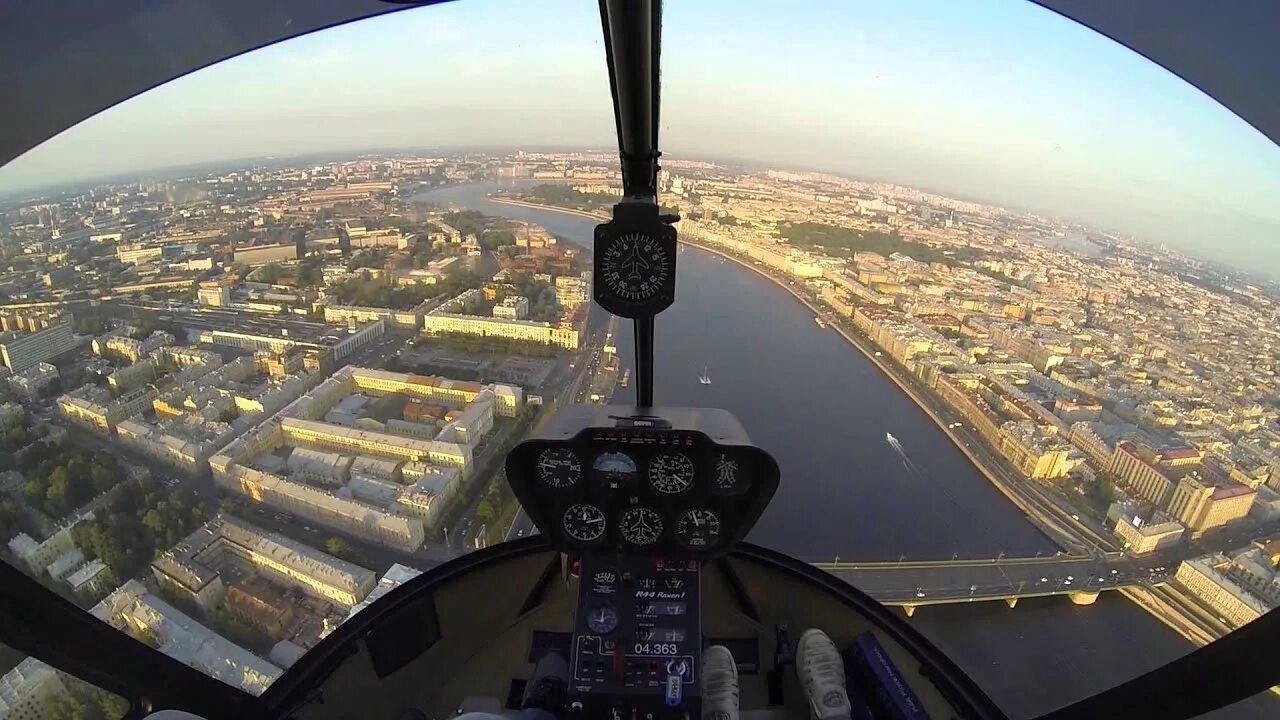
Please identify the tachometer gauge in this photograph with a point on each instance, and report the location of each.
(584, 523)
(559, 468)
(698, 529)
(640, 526)
(671, 473)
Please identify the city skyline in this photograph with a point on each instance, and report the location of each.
(324, 362)
(1117, 137)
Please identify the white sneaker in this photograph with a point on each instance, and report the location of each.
(719, 684)
(821, 672)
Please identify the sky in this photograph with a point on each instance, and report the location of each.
(995, 100)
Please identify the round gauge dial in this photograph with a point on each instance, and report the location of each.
(615, 468)
(559, 468)
(727, 476)
(635, 267)
(698, 529)
(584, 523)
(671, 473)
(640, 526)
(602, 619)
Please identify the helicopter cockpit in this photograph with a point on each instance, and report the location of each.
(640, 564)
(640, 581)
(638, 569)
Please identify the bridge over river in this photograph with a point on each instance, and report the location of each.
(937, 582)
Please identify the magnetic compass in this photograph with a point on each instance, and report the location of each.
(635, 265)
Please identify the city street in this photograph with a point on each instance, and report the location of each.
(568, 381)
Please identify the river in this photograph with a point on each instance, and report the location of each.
(823, 410)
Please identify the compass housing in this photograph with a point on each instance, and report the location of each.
(635, 263)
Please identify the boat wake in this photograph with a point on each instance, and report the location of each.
(902, 454)
(926, 478)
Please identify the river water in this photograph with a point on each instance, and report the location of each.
(823, 410)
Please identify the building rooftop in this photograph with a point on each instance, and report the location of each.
(1213, 566)
(395, 576)
(186, 640)
(86, 573)
(1223, 492)
(189, 559)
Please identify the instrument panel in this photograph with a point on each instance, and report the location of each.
(647, 488)
(637, 641)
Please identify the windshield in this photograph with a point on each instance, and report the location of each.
(999, 295)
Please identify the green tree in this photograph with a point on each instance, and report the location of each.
(34, 490)
(66, 705)
(10, 517)
(102, 477)
(154, 521)
(468, 222)
(484, 511)
(367, 259)
(269, 273)
(1101, 490)
(15, 436)
(309, 274)
(113, 706)
(57, 497)
(337, 547)
(494, 239)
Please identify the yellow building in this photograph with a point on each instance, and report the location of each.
(498, 327)
(448, 319)
(215, 294)
(455, 393)
(378, 443)
(1032, 460)
(1205, 578)
(1140, 474)
(1202, 505)
(94, 406)
(407, 319)
(1140, 538)
(319, 505)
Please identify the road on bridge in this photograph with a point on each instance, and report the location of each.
(923, 583)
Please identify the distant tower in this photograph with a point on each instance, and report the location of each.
(344, 241)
